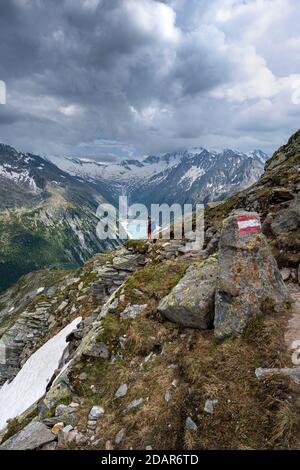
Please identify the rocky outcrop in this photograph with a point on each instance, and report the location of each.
(276, 197)
(33, 436)
(249, 281)
(191, 302)
(44, 313)
(287, 220)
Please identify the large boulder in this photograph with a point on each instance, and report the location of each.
(287, 220)
(33, 436)
(249, 282)
(191, 302)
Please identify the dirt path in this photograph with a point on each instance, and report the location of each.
(293, 329)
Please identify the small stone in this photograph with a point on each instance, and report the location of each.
(175, 383)
(97, 350)
(61, 410)
(190, 425)
(147, 358)
(135, 404)
(209, 406)
(73, 405)
(122, 341)
(67, 429)
(137, 292)
(148, 447)
(285, 273)
(96, 412)
(122, 391)
(132, 311)
(108, 445)
(62, 306)
(92, 425)
(120, 436)
(80, 286)
(57, 427)
(114, 304)
(168, 396)
(83, 376)
(80, 438)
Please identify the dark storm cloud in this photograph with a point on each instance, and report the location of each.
(149, 75)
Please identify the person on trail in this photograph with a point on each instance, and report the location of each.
(149, 227)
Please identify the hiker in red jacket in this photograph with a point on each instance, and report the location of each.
(149, 228)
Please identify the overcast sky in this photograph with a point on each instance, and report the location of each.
(113, 78)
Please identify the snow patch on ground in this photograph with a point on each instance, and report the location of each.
(31, 382)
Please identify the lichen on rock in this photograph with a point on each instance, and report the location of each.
(191, 302)
(248, 275)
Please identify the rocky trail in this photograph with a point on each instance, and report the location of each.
(176, 349)
(292, 335)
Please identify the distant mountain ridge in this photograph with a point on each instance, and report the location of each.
(47, 216)
(195, 175)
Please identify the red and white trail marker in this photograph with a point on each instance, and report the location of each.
(248, 224)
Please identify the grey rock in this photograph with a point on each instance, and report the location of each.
(96, 412)
(20, 339)
(120, 436)
(292, 372)
(137, 292)
(287, 220)
(285, 273)
(67, 429)
(168, 395)
(132, 311)
(122, 391)
(249, 281)
(74, 405)
(97, 349)
(191, 302)
(62, 306)
(92, 425)
(33, 436)
(190, 425)
(61, 410)
(83, 376)
(209, 406)
(135, 404)
(114, 304)
(69, 435)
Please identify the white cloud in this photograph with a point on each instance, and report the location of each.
(153, 75)
(70, 110)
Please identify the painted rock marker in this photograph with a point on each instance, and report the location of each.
(248, 276)
(248, 224)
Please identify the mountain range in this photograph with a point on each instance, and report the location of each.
(189, 176)
(152, 346)
(48, 205)
(47, 216)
